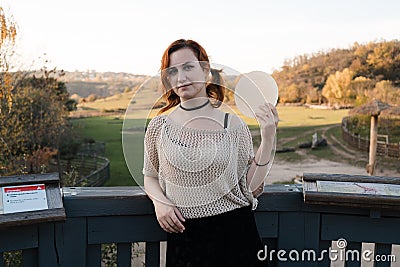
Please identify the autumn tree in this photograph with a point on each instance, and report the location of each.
(7, 41)
(386, 60)
(338, 89)
(362, 87)
(386, 92)
(291, 94)
(33, 110)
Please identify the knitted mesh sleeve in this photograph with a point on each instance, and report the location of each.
(151, 139)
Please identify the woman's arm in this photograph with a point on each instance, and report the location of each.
(168, 216)
(268, 119)
(257, 174)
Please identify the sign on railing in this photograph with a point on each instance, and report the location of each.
(30, 199)
(354, 190)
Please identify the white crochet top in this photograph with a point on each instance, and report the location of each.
(203, 172)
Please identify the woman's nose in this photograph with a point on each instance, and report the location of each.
(181, 76)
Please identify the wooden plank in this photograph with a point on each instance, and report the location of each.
(267, 224)
(53, 194)
(105, 205)
(146, 229)
(152, 254)
(311, 236)
(337, 255)
(382, 251)
(281, 199)
(363, 206)
(309, 186)
(350, 178)
(30, 257)
(47, 252)
(395, 255)
(32, 217)
(269, 244)
(67, 246)
(23, 237)
(108, 201)
(124, 254)
(359, 229)
(114, 192)
(323, 257)
(353, 200)
(94, 255)
(29, 179)
(344, 209)
(291, 237)
(353, 254)
(349, 197)
(367, 256)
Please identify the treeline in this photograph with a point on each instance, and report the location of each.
(100, 84)
(343, 77)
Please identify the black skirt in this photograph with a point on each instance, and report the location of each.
(228, 239)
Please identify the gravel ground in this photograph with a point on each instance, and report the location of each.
(286, 171)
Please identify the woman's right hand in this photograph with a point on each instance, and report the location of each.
(169, 217)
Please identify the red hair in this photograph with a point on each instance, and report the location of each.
(214, 89)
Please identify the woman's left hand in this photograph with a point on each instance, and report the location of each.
(268, 120)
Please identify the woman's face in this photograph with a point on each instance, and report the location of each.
(186, 75)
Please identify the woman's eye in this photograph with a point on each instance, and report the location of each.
(172, 71)
(188, 67)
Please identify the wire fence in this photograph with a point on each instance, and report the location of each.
(384, 148)
(93, 148)
(85, 170)
(100, 173)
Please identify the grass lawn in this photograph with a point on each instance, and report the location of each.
(108, 130)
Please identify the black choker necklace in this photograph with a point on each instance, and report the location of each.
(198, 107)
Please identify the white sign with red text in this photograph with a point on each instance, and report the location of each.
(22, 198)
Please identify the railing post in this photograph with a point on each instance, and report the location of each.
(94, 255)
(72, 251)
(124, 254)
(48, 254)
(152, 254)
(29, 257)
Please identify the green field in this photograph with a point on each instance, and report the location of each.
(108, 130)
(294, 123)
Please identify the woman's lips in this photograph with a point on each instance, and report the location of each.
(183, 86)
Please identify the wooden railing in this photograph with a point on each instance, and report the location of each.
(125, 215)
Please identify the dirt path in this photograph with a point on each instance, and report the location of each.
(287, 171)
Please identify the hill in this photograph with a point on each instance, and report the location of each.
(100, 84)
(343, 77)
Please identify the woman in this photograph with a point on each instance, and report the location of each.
(200, 170)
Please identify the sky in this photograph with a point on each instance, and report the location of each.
(131, 35)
